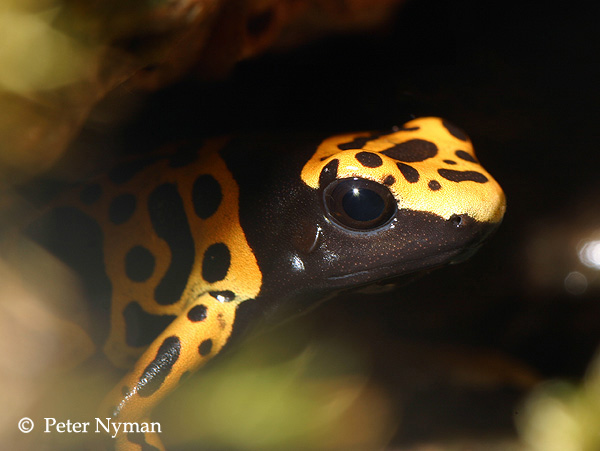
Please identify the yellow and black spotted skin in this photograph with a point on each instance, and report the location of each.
(180, 252)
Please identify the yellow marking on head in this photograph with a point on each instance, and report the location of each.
(484, 202)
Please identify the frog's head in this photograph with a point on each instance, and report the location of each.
(396, 203)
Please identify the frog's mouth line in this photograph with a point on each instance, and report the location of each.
(419, 265)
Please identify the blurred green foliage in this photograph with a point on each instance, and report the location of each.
(34, 54)
(318, 397)
(563, 416)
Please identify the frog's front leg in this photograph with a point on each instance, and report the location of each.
(194, 337)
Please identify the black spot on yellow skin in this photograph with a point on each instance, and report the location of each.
(389, 180)
(410, 174)
(206, 195)
(139, 264)
(369, 159)
(463, 176)
(434, 185)
(329, 172)
(215, 263)
(449, 161)
(141, 327)
(91, 194)
(139, 439)
(406, 129)
(170, 223)
(222, 322)
(156, 372)
(121, 208)
(223, 296)
(356, 143)
(205, 347)
(465, 156)
(83, 252)
(455, 131)
(412, 151)
(360, 141)
(197, 313)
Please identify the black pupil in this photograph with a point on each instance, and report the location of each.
(363, 204)
(359, 204)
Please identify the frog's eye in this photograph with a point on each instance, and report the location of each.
(359, 204)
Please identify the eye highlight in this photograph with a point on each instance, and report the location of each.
(359, 204)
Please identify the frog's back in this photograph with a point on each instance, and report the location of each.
(148, 236)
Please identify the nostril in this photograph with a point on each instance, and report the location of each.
(457, 220)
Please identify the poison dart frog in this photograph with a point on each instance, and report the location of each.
(180, 252)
